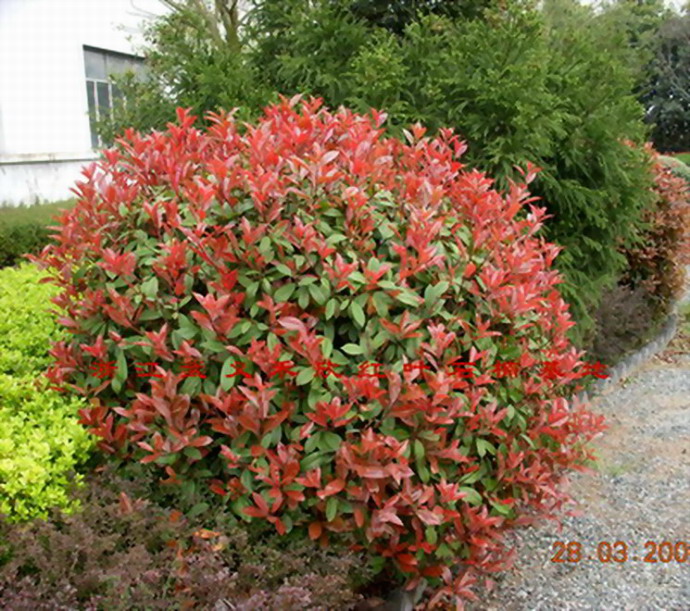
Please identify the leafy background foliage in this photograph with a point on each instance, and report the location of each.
(553, 86)
(396, 15)
(666, 95)
(309, 236)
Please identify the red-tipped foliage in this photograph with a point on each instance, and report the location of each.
(658, 263)
(331, 281)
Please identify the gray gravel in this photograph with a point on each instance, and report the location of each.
(640, 492)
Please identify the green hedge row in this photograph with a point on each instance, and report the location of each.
(24, 229)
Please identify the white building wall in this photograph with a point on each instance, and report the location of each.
(44, 127)
(29, 181)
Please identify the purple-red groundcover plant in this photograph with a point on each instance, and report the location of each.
(310, 236)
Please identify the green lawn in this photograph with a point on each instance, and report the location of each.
(17, 215)
(684, 157)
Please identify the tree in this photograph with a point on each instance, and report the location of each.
(395, 15)
(668, 96)
(194, 58)
(551, 86)
(220, 17)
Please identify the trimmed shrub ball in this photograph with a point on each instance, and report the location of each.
(343, 334)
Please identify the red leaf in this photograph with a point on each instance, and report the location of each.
(293, 324)
(430, 518)
(261, 509)
(126, 506)
(315, 530)
(359, 517)
(280, 527)
(202, 441)
(333, 487)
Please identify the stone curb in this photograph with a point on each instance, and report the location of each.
(629, 364)
(626, 367)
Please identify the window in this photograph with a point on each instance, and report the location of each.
(100, 92)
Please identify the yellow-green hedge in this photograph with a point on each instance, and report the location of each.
(41, 442)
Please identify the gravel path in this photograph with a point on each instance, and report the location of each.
(640, 492)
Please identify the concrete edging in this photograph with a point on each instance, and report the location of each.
(629, 364)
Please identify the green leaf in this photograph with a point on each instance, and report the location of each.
(188, 488)
(238, 507)
(303, 298)
(192, 452)
(121, 373)
(352, 349)
(408, 298)
(252, 289)
(312, 442)
(287, 522)
(501, 508)
(198, 509)
(357, 314)
(272, 341)
(305, 376)
(149, 288)
(265, 244)
(470, 478)
(330, 308)
(473, 497)
(228, 369)
(330, 441)
(188, 330)
(443, 551)
(247, 480)
(272, 439)
(377, 564)
(213, 345)
(423, 470)
(150, 315)
(318, 294)
(239, 329)
(326, 347)
(379, 340)
(432, 293)
(381, 304)
(191, 386)
(284, 292)
(284, 269)
(388, 285)
(484, 446)
(357, 277)
(431, 535)
(331, 508)
(310, 462)
(167, 459)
